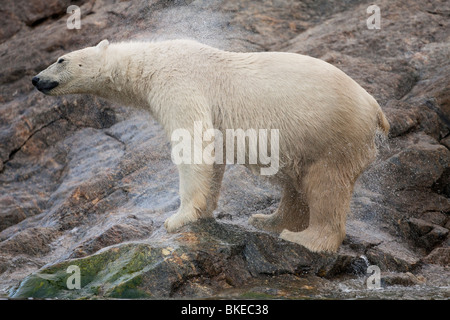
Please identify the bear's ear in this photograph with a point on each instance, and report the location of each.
(103, 44)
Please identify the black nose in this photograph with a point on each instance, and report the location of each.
(35, 81)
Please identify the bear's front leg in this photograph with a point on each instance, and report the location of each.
(195, 188)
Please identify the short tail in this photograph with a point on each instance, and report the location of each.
(383, 123)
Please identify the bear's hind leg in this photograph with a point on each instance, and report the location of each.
(328, 191)
(292, 213)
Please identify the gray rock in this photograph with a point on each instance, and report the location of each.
(402, 279)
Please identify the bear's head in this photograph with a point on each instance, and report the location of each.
(75, 72)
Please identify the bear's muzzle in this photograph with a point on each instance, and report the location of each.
(44, 85)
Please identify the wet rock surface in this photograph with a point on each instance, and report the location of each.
(87, 183)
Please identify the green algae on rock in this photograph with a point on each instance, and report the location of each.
(209, 255)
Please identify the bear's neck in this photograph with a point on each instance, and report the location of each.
(118, 84)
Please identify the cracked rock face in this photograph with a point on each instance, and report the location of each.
(88, 183)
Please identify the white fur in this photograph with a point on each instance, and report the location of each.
(327, 122)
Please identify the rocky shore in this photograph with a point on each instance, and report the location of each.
(88, 183)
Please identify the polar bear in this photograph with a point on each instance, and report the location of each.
(327, 123)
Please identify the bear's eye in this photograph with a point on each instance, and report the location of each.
(61, 60)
